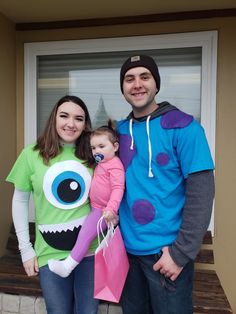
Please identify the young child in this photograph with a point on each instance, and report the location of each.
(106, 192)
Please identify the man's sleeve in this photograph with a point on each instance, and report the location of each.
(200, 190)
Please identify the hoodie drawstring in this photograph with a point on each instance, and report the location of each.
(150, 173)
(131, 134)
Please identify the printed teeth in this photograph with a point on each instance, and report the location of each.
(62, 227)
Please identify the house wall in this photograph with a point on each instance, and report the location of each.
(225, 213)
(226, 160)
(8, 121)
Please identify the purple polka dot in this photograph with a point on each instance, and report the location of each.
(125, 153)
(175, 119)
(162, 159)
(143, 212)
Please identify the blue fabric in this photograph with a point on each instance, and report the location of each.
(147, 291)
(151, 210)
(73, 294)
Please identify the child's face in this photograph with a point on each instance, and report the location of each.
(100, 144)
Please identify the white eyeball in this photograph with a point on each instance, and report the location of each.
(66, 184)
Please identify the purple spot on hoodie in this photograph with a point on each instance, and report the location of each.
(126, 154)
(162, 159)
(143, 212)
(175, 119)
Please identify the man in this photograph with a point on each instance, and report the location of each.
(169, 194)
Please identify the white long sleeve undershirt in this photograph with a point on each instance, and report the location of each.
(20, 209)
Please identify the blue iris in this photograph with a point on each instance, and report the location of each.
(68, 187)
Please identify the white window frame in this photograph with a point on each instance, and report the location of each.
(207, 40)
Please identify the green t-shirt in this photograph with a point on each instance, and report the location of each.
(60, 192)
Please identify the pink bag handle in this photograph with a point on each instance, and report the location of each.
(110, 228)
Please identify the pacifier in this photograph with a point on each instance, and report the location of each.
(98, 157)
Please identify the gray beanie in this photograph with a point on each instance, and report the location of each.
(140, 61)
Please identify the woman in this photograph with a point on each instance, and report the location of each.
(56, 171)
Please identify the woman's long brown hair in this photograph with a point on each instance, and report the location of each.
(48, 143)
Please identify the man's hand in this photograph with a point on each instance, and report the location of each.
(167, 266)
(31, 267)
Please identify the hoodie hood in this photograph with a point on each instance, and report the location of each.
(163, 107)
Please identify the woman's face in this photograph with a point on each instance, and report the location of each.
(70, 122)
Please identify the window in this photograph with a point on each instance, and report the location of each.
(94, 77)
(90, 70)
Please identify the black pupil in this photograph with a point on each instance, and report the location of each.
(66, 193)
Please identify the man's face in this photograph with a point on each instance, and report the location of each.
(139, 89)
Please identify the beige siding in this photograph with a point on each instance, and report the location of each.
(8, 121)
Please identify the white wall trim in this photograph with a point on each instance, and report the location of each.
(207, 40)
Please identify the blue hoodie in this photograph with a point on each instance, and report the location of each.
(159, 152)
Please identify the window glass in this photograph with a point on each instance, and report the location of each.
(94, 77)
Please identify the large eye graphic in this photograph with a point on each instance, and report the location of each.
(66, 184)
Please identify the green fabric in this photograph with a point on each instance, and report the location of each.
(30, 174)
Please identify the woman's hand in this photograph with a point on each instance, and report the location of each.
(31, 267)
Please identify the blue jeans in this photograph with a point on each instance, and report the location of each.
(149, 292)
(73, 294)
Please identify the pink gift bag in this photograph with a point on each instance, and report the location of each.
(111, 265)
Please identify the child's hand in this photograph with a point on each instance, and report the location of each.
(110, 216)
